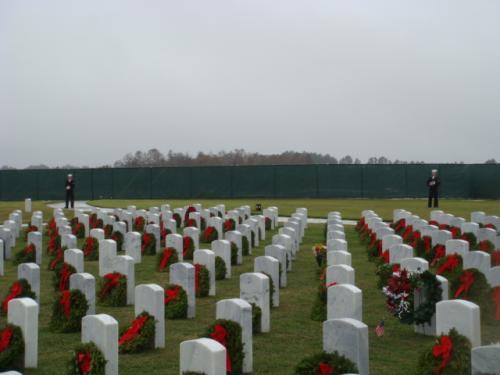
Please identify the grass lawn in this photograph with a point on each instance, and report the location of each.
(293, 335)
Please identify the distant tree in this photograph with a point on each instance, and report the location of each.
(346, 160)
(6, 167)
(383, 160)
(490, 161)
(372, 160)
(37, 166)
(357, 161)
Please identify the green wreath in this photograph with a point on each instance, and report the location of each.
(28, 230)
(78, 230)
(148, 244)
(245, 246)
(176, 307)
(59, 322)
(111, 294)
(187, 247)
(203, 224)
(384, 272)
(163, 263)
(145, 340)
(12, 357)
(26, 255)
(58, 273)
(91, 248)
(256, 319)
(178, 220)
(234, 254)
(252, 237)
(117, 236)
(23, 289)
(318, 312)
(233, 344)
(460, 359)
(86, 355)
(268, 223)
(272, 289)
(53, 244)
(203, 281)
(312, 365)
(108, 230)
(373, 250)
(470, 238)
(220, 268)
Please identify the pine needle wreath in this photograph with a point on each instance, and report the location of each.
(12, 356)
(209, 235)
(245, 246)
(113, 290)
(318, 311)
(56, 258)
(384, 273)
(202, 280)
(28, 230)
(229, 225)
(108, 230)
(26, 255)
(166, 258)
(86, 359)
(459, 360)
(256, 319)
(178, 220)
(190, 223)
(187, 247)
(148, 244)
(19, 289)
(91, 248)
(325, 363)
(53, 244)
(139, 223)
(252, 237)
(272, 289)
(69, 307)
(176, 305)
(60, 279)
(117, 236)
(268, 223)
(228, 333)
(138, 338)
(78, 229)
(470, 238)
(220, 268)
(234, 254)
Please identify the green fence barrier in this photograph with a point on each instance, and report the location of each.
(479, 181)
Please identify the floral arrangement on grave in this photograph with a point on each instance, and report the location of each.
(190, 223)
(470, 238)
(19, 289)
(449, 355)
(229, 225)
(220, 268)
(148, 244)
(113, 290)
(108, 231)
(91, 248)
(319, 251)
(384, 272)
(234, 254)
(403, 288)
(325, 364)
(423, 248)
(164, 232)
(60, 279)
(361, 226)
(178, 219)
(187, 247)
(69, 307)
(139, 336)
(87, 359)
(268, 222)
(56, 258)
(77, 228)
(11, 348)
(166, 258)
(201, 280)
(139, 223)
(117, 236)
(29, 229)
(26, 255)
(228, 334)
(245, 246)
(374, 247)
(209, 234)
(54, 243)
(51, 227)
(176, 305)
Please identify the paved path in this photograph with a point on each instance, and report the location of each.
(83, 205)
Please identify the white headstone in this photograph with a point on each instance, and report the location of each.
(222, 248)
(154, 229)
(399, 252)
(27, 205)
(151, 299)
(344, 301)
(175, 241)
(340, 274)
(337, 244)
(271, 267)
(203, 355)
(237, 238)
(183, 274)
(132, 245)
(194, 233)
(460, 247)
(338, 257)
(97, 233)
(125, 265)
(462, 315)
(85, 283)
(30, 272)
(23, 312)
(254, 288)
(414, 265)
(107, 252)
(74, 257)
(102, 330)
(35, 238)
(486, 359)
(279, 252)
(207, 258)
(478, 260)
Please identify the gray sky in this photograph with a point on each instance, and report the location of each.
(84, 82)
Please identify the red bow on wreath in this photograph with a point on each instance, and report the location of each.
(165, 258)
(466, 281)
(134, 330)
(496, 301)
(207, 234)
(65, 301)
(84, 362)
(386, 256)
(57, 259)
(112, 281)
(197, 271)
(427, 243)
(439, 253)
(186, 242)
(5, 337)
(495, 257)
(443, 350)
(220, 335)
(15, 291)
(89, 244)
(325, 369)
(171, 294)
(147, 239)
(64, 277)
(408, 231)
(451, 263)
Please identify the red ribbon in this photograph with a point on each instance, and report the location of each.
(207, 234)
(331, 284)
(373, 239)
(64, 277)
(466, 281)
(451, 263)
(89, 246)
(484, 245)
(495, 258)
(197, 271)
(5, 337)
(455, 232)
(427, 243)
(440, 251)
(433, 222)
(443, 350)
(28, 249)
(167, 253)
(385, 256)
(416, 237)
(112, 281)
(490, 226)
(496, 301)
(134, 330)
(396, 268)
(65, 301)
(188, 211)
(57, 259)
(147, 239)
(407, 232)
(228, 225)
(51, 246)
(171, 294)
(400, 225)
(220, 335)
(325, 369)
(84, 362)
(186, 242)
(15, 290)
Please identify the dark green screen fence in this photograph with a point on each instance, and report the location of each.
(481, 181)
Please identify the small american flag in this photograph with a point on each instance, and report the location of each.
(380, 329)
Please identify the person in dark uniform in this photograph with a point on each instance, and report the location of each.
(70, 191)
(433, 183)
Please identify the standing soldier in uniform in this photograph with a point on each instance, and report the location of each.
(70, 191)
(433, 183)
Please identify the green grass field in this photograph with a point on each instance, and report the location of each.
(293, 335)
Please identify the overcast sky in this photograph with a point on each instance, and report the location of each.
(84, 82)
